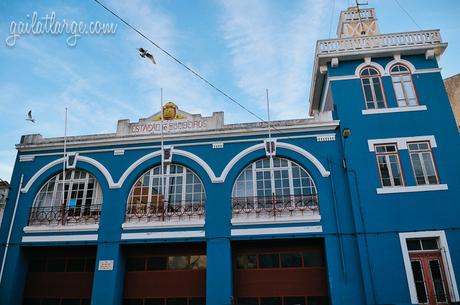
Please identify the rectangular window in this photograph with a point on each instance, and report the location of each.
(389, 165)
(269, 261)
(404, 90)
(423, 163)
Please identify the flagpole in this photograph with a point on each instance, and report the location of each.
(65, 153)
(162, 150)
(272, 173)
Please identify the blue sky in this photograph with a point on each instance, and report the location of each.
(241, 46)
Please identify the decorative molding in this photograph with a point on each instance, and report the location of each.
(118, 152)
(407, 63)
(163, 235)
(277, 220)
(59, 228)
(410, 189)
(307, 155)
(369, 64)
(394, 109)
(432, 70)
(334, 62)
(326, 138)
(276, 230)
(164, 224)
(58, 238)
(26, 158)
(451, 280)
(401, 142)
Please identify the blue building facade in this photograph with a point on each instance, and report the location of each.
(355, 205)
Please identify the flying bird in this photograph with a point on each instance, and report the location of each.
(29, 117)
(145, 54)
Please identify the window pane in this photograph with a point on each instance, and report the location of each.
(269, 261)
(368, 93)
(437, 281)
(419, 281)
(291, 260)
(75, 265)
(313, 259)
(246, 261)
(429, 244)
(413, 244)
(417, 167)
(197, 262)
(178, 262)
(135, 264)
(429, 167)
(156, 263)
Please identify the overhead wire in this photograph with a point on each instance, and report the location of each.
(409, 15)
(209, 83)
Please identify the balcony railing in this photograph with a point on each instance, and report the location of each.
(144, 212)
(62, 215)
(385, 41)
(275, 206)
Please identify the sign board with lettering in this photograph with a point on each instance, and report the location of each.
(105, 265)
(173, 121)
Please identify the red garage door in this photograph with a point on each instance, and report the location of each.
(165, 275)
(287, 272)
(59, 276)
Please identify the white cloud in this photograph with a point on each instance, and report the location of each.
(274, 51)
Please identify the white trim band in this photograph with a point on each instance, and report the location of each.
(57, 238)
(164, 224)
(59, 228)
(393, 110)
(278, 220)
(401, 142)
(277, 230)
(410, 189)
(162, 235)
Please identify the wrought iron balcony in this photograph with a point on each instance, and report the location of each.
(275, 206)
(145, 212)
(63, 215)
(341, 46)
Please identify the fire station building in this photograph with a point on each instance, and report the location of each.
(357, 203)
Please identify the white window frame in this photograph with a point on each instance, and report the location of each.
(397, 77)
(372, 86)
(449, 270)
(386, 155)
(422, 163)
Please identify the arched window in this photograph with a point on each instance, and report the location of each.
(79, 202)
(284, 186)
(403, 86)
(372, 88)
(181, 193)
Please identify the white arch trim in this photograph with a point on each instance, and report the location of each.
(369, 64)
(183, 153)
(404, 62)
(89, 160)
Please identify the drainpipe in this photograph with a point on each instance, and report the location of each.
(11, 229)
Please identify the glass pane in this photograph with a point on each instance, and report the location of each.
(368, 93)
(437, 281)
(430, 244)
(294, 301)
(135, 264)
(246, 261)
(419, 281)
(291, 260)
(197, 262)
(178, 262)
(156, 263)
(269, 261)
(429, 167)
(413, 244)
(313, 259)
(417, 166)
(271, 301)
(76, 265)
